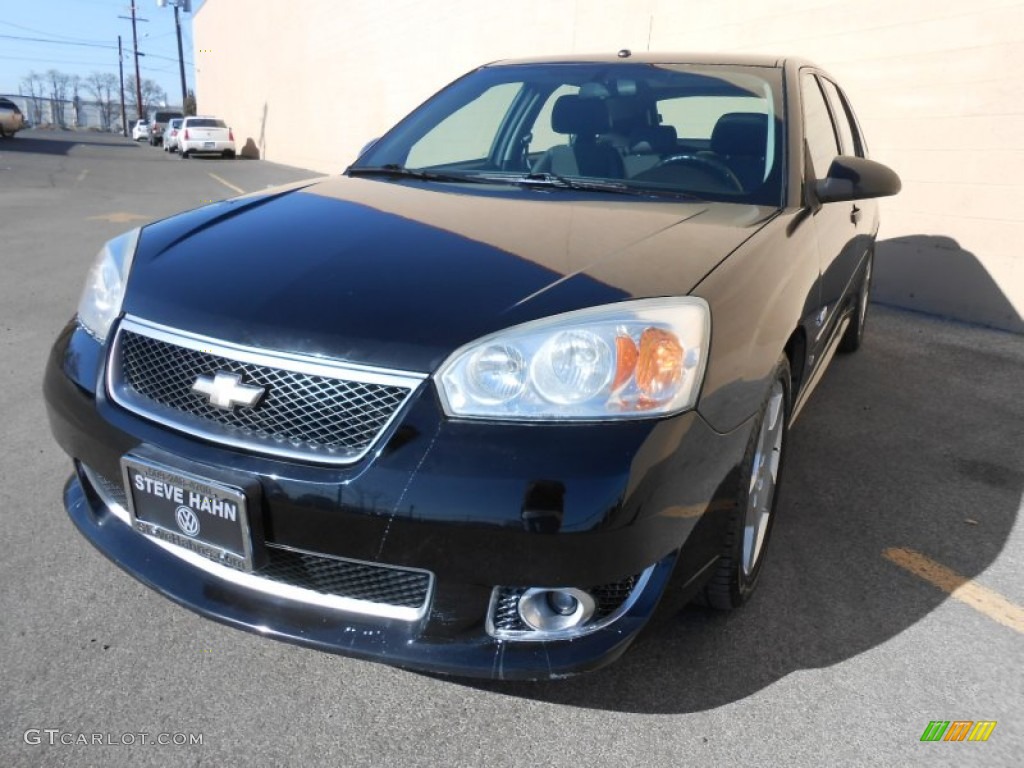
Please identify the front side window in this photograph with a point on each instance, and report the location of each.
(713, 132)
(819, 133)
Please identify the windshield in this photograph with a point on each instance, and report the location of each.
(713, 132)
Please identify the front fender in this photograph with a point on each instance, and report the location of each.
(758, 297)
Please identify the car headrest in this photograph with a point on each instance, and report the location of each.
(579, 116)
(658, 139)
(740, 133)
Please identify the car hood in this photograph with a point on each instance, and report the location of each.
(399, 274)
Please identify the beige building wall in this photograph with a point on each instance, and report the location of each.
(937, 86)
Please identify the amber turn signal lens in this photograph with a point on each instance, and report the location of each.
(625, 361)
(659, 365)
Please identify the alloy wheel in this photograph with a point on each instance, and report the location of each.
(764, 478)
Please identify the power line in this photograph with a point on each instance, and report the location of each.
(85, 45)
(58, 42)
(43, 32)
(51, 61)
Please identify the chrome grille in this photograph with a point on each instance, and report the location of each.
(351, 580)
(312, 408)
(107, 489)
(359, 581)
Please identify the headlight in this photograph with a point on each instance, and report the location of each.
(621, 361)
(104, 286)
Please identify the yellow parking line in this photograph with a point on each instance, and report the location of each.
(981, 599)
(227, 183)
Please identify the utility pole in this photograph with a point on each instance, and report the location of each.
(181, 59)
(138, 77)
(178, 6)
(120, 69)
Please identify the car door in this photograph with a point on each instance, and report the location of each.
(837, 225)
(864, 213)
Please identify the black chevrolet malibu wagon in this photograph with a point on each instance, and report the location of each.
(476, 406)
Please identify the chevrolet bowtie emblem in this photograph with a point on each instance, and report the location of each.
(226, 390)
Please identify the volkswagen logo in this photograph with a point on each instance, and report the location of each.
(187, 521)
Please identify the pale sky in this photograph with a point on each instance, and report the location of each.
(80, 37)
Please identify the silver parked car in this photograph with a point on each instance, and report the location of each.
(170, 139)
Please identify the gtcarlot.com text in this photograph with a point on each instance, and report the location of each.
(55, 736)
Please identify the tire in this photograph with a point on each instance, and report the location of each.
(738, 569)
(228, 154)
(183, 155)
(854, 335)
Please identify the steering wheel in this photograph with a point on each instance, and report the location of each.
(713, 167)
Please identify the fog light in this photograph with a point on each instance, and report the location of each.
(562, 603)
(551, 610)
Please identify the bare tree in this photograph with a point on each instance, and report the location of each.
(76, 100)
(33, 86)
(58, 82)
(103, 88)
(152, 95)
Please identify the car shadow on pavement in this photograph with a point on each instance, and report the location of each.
(912, 443)
(62, 142)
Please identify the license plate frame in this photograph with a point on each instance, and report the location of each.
(209, 145)
(228, 536)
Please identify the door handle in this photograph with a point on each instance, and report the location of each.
(855, 214)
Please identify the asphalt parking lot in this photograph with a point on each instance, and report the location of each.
(905, 483)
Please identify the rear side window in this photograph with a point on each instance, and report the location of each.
(695, 117)
(819, 133)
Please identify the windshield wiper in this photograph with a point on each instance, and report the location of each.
(548, 179)
(393, 169)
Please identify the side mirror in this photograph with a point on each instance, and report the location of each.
(856, 178)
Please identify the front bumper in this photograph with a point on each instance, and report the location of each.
(457, 499)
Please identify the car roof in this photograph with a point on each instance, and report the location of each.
(641, 57)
